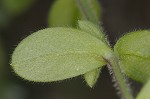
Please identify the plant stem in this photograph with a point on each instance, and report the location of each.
(87, 11)
(118, 78)
(113, 64)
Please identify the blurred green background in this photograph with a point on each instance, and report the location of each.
(18, 20)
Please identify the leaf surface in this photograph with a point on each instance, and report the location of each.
(57, 53)
(133, 50)
(94, 30)
(63, 13)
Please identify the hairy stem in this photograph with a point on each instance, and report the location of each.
(113, 64)
(87, 11)
(118, 78)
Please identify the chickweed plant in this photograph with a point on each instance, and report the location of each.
(75, 44)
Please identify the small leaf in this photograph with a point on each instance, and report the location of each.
(145, 92)
(92, 29)
(92, 76)
(58, 53)
(133, 50)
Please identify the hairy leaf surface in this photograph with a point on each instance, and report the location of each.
(133, 50)
(58, 53)
(92, 29)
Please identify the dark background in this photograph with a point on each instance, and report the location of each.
(118, 18)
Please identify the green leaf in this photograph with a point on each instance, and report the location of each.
(66, 12)
(145, 92)
(133, 50)
(91, 77)
(63, 13)
(58, 53)
(96, 8)
(90, 9)
(94, 30)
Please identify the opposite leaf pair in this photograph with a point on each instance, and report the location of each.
(133, 49)
(59, 53)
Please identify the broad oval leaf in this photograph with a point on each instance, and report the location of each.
(58, 53)
(133, 50)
